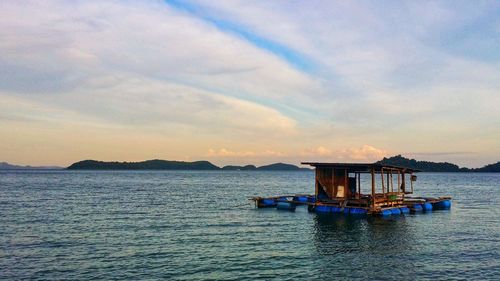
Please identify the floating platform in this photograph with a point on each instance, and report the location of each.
(411, 205)
(338, 190)
(295, 200)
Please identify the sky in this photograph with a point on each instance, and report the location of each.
(239, 82)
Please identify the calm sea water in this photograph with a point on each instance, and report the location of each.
(61, 225)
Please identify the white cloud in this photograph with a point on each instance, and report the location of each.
(364, 153)
(222, 152)
(318, 151)
(142, 63)
(76, 41)
(147, 66)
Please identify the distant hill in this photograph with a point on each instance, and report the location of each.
(398, 160)
(7, 166)
(144, 165)
(281, 167)
(424, 166)
(271, 167)
(491, 168)
(239, 168)
(427, 166)
(175, 165)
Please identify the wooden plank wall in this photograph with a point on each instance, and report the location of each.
(330, 179)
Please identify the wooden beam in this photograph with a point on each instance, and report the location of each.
(334, 189)
(345, 182)
(411, 182)
(392, 181)
(373, 190)
(382, 176)
(359, 185)
(316, 182)
(399, 181)
(388, 183)
(404, 182)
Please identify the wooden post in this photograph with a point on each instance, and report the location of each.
(345, 182)
(382, 176)
(399, 182)
(404, 182)
(334, 192)
(388, 183)
(411, 182)
(373, 189)
(316, 182)
(359, 185)
(392, 182)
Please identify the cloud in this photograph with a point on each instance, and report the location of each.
(142, 64)
(441, 153)
(410, 76)
(222, 152)
(380, 62)
(318, 151)
(72, 42)
(364, 153)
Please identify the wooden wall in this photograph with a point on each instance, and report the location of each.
(334, 182)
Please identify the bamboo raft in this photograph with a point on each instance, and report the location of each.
(338, 190)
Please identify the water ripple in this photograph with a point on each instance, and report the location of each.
(177, 225)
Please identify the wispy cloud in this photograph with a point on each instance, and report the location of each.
(222, 152)
(292, 56)
(363, 153)
(254, 76)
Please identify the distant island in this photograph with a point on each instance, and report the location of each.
(143, 165)
(427, 166)
(7, 166)
(271, 167)
(176, 165)
(398, 160)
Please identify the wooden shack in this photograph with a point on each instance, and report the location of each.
(339, 185)
(359, 189)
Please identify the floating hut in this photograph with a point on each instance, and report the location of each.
(338, 190)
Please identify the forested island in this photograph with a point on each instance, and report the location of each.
(7, 166)
(427, 166)
(176, 165)
(398, 160)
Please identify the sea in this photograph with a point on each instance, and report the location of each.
(200, 225)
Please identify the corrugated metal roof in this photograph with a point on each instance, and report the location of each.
(359, 167)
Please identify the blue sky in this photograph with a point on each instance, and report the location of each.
(293, 57)
(238, 82)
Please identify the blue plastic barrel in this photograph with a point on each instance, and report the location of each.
(336, 210)
(417, 208)
(267, 202)
(447, 204)
(323, 209)
(357, 211)
(386, 213)
(427, 207)
(285, 206)
(395, 211)
(442, 205)
(404, 210)
(302, 199)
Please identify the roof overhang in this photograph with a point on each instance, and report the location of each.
(361, 167)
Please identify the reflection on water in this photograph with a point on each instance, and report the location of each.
(339, 234)
(180, 225)
(356, 244)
